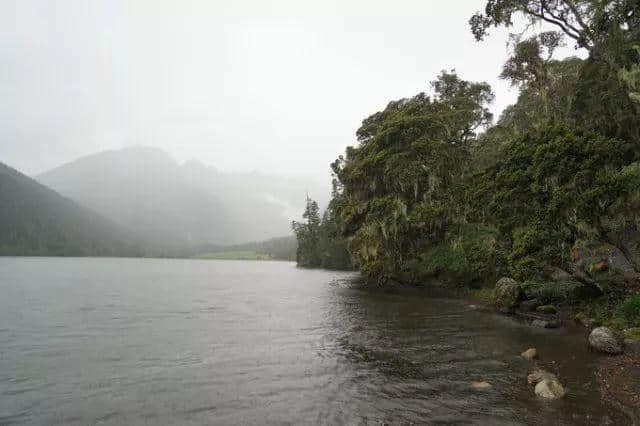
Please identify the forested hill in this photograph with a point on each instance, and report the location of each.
(549, 195)
(178, 206)
(35, 220)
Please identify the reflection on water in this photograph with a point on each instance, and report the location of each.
(118, 341)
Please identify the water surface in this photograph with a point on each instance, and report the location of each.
(152, 341)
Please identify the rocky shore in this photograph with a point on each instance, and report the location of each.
(619, 383)
(618, 369)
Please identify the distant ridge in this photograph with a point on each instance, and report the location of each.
(180, 206)
(35, 220)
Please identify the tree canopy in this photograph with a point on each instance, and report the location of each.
(434, 189)
(589, 23)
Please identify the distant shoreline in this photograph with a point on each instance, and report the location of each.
(52, 256)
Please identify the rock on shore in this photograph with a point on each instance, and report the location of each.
(547, 385)
(481, 385)
(508, 294)
(530, 354)
(604, 340)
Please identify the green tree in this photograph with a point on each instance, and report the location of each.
(592, 24)
(554, 186)
(397, 187)
(321, 241)
(308, 235)
(608, 29)
(332, 245)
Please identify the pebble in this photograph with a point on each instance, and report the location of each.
(481, 385)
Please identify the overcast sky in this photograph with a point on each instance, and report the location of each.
(275, 86)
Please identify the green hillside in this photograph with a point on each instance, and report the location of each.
(35, 220)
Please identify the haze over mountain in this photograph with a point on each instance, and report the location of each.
(180, 205)
(34, 220)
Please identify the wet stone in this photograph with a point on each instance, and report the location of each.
(481, 385)
(545, 323)
(603, 339)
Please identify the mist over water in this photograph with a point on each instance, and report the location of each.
(172, 158)
(133, 341)
(169, 204)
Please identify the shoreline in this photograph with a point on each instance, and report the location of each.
(618, 376)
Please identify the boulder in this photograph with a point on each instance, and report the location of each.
(508, 294)
(598, 265)
(546, 384)
(549, 389)
(537, 376)
(628, 239)
(604, 262)
(602, 339)
(530, 354)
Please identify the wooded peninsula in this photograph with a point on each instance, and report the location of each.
(548, 195)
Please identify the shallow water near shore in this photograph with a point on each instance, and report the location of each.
(134, 341)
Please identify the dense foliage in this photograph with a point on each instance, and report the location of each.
(320, 241)
(434, 190)
(398, 187)
(595, 25)
(551, 187)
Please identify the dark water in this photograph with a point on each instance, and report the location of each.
(134, 341)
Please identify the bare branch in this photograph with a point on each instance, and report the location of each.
(560, 24)
(559, 18)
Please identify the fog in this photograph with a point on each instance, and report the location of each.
(240, 106)
(274, 86)
(183, 205)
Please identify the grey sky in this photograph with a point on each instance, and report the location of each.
(277, 86)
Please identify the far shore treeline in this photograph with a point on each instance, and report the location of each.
(435, 190)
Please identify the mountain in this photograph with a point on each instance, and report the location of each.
(261, 206)
(34, 220)
(143, 190)
(179, 206)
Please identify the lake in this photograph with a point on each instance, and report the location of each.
(158, 341)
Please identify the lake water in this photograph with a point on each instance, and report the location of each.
(154, 341)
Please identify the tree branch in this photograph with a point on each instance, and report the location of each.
(566, 30)
(576, 14)
(562, 19)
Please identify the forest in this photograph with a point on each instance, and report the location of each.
(36, 221)
(548, 194)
